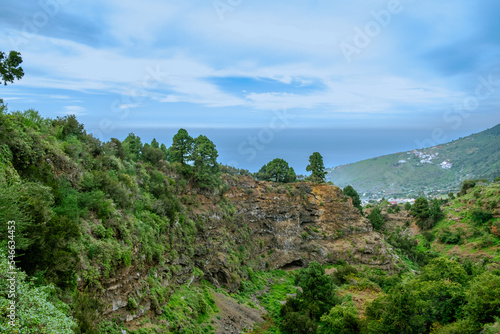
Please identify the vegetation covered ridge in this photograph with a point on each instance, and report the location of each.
(122, 227)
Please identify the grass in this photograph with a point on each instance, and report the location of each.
(270, 288)
(190, 307)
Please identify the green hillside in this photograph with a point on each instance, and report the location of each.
(123, 237)
(431, 170)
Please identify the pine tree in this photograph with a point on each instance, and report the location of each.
(182, 147)
(205, 162)
(420, 210)
(278, 170)
(132, 146)
(316, 167)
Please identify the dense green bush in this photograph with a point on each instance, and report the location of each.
(408, 246)
(350, 192)
(466, 185)
(342, 274)
(375, 217)
(340, 320)
(298, 323)
(318, 290)
(480, 217)
(401, 311)
(483, 298)
(37, 309)
(448, 237)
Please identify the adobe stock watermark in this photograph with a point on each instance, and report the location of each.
(11, 287)
(32, 24)
(133, 98)
(257, 143)
(364, 36)
(485, 88)
(224, 6)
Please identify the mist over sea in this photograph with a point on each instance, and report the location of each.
(252, 148)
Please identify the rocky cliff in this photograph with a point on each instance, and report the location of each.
(291, 225)
(254, 224)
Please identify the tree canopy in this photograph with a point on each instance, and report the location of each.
(350, 192)
(10, 67)
(182, 147)
(316, 167)
(132, 146)
(205, 162)
(375, 217)
(152, 153)
(277, 170)
(420, 210)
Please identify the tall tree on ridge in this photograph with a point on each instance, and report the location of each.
(205, 162)
(317, 168)
(182, 147)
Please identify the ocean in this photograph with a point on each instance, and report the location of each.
(252, 148)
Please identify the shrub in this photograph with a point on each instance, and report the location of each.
(350, 192)
(448, 237)
(420, 210)
(376, 219)
(132, 303)
(36, 307)
(435, 212)
(341, 275)
(486, 240)
(318, 290)
(85, 307)
(429, 236)
(340, 320)
(444, 269)
(298, 323)
(484, 298)
(398, 312)
(466, 185)
(480, 217)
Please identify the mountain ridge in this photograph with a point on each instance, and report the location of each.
(428, 171)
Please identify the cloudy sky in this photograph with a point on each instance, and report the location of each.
(226, 64)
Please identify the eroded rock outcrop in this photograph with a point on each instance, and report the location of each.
(286, 226)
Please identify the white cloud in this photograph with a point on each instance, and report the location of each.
(300, 45)
(59, 97)
(128, 106)
(74, 110)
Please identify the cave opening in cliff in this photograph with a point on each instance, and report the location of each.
(293, 265)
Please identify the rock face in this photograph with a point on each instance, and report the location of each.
(287, 226)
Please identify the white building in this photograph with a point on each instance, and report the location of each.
(446, 165)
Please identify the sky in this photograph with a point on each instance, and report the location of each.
(262, 77)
